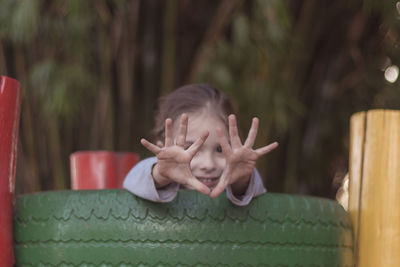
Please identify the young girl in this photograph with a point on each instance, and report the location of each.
(197, 146)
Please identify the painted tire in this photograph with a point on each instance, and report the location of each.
(115, 228)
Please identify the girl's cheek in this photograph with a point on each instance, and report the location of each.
(195, 160)
(220, 162)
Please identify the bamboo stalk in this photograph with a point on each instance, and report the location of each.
(376, 161)
(57, 169)
(3, 64)
(128, 24)
(169, 48)
(222, 17)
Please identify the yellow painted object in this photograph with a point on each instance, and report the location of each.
(374, 189)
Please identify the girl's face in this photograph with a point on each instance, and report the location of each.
(209, 162)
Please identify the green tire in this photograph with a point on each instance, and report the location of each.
(116, 228)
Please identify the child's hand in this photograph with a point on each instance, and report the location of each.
(173, 161)
(240, 159)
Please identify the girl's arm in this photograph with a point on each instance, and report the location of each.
(139, 181)
(255, 188)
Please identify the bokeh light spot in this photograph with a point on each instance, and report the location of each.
(392, 73)
(398, 7)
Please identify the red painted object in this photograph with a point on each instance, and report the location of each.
(9, 125)
(100, 169)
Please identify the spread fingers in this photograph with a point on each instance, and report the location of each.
(192, 150)
(150, 146)
(181, 138)
(168, 133)
(233, 132)
(251, 138)
(266, 149)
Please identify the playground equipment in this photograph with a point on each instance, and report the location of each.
(116, 228)
(100, 169)
(112, 227)
(9, 124)
(374, 189)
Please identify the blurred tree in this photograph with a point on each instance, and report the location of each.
(92, 73)
(304, 67)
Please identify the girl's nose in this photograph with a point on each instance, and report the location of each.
(207, 162)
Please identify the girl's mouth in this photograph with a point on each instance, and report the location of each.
(209, 181)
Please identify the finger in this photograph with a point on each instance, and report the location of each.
(266, 149)
(168, 132)
(251, 138)
(222, 184)
(233, 132)
(199, 186)
(150, 146)
(181, 138)
(159, 144)
(194, 148)
(226, 148)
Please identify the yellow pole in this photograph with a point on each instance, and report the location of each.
(374, 193)
(357, 131)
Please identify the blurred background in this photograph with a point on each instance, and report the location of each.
(92, 73)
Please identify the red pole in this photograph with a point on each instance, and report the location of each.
(100, 169)
(9, 124)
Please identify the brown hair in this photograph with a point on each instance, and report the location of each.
(189, 99)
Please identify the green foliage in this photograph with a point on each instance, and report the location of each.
(62, 88)
(281, 66)
(62, 74)
(250, 64)
(19, 20)
(302, 67)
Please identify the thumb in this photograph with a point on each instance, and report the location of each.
(198, 186)
(222, 184)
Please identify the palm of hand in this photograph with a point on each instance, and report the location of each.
(240, 158)
(173, 161)
(240, 164)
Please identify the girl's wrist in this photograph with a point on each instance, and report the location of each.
(239, 188)
(159, 180)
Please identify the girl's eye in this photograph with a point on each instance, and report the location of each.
(219, 149)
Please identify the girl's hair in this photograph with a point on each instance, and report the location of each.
(190, 99)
